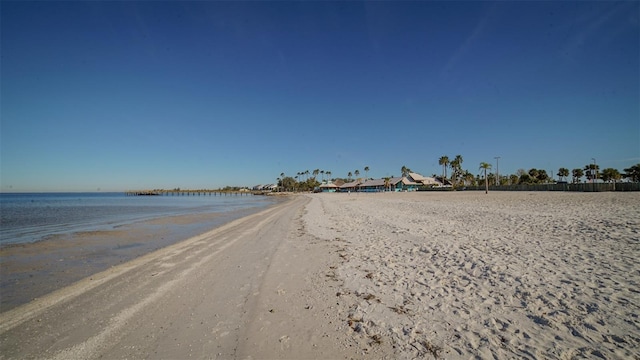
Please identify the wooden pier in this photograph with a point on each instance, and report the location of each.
(191, 193)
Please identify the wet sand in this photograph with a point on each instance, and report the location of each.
(386, 276)
(31, 270)
(258, 287)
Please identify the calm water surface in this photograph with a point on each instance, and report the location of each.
(30, 217)
(41, 267)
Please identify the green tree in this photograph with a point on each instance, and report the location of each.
(366, 171)
(328, 175)
(526, 179)
(444, 161)
(468, 178)
(484, 167)
(633, 173)
(405, 171)
(456, 169)
(288, 183)
(577, 175)
(610, 174)
(349, 175)
(387, 183)
(357, 172)
(513, 179)
(542, 176)
(563, 173)
(591, 171)
(315, 173)
(492, 178)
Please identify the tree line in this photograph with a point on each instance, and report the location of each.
(590, 172)
(457, 176)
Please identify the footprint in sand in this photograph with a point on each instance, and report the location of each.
(284, 342)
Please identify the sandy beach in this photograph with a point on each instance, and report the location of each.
(454, 275)
(31, 270)
(506, 275)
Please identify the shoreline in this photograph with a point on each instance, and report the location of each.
(389, 276)
(228, 293)
(34, 269)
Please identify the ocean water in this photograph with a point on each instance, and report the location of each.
(85, 233)
(30, 217)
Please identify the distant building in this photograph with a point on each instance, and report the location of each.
(373, 185)
(328, 188)
(443, 183)
(350, 186)
(394, 184)
(269, 187)
(424, 180)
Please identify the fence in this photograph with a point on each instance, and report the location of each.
(585, 187)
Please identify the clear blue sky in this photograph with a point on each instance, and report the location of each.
(127, 95)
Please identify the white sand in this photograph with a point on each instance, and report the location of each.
(544, 275)
(383, 276)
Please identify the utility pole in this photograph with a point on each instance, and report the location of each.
(497, 171)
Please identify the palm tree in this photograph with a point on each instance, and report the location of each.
(591, 172)
(543, 176)
(610, 174)
(328, 175)
(349, 175)
(387, 183)
(405, 170)
(315, 173)
(577, 174)
(444, 161)
(366, 171)
(357, 172)
(633, 173)
(562, 173)
(485, 166)
(468, 177)
(456, 167)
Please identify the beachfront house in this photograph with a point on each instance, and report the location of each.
(408, 185)
(443, 183)
(328, 188)
(424, 180)
(373, 185)
(270, 187)
(395, 184)
(350, 186)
